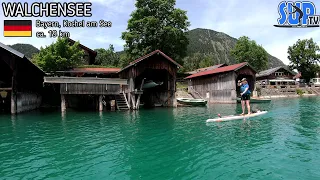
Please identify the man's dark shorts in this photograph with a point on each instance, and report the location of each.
(245, 97)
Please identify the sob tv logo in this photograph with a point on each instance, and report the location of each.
(297, 15)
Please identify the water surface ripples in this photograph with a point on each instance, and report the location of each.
(164, 144)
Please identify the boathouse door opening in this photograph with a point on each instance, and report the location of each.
(156, 84)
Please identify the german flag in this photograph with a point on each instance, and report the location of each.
(17, 28)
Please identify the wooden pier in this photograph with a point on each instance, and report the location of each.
(100, 87)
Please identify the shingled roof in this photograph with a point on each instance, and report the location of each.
(20, 55)
(149, 55)
(206, 68)
(233, 67)
(272, 70)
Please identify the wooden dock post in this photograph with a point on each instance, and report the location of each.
(14, 99)
(100, 103)
(63, 102)
(113, 105)
(13, 103)
(139, 96)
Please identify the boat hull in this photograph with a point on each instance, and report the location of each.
(192, 102)
(151, 85)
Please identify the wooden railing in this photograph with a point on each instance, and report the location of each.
(193, 91)
(125, 98)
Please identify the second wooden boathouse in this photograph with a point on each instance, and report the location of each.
(157, 70)
(219, 85)
(150, 80)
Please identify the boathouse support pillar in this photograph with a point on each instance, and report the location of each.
(63, 103)
(100, 103)
(13, 103)
(14, 86)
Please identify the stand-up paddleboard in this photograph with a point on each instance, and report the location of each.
(235, 117)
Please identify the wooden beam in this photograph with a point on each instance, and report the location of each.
(85, 80)
(5, 89)
(100, 103)
(14, 86)
(63, 103)
(129, 99)
(139, 96)
(138, 101)
(125, 97)
(133, 99)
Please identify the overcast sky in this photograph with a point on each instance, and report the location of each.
(236, 18)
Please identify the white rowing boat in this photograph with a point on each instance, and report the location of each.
(235, 117)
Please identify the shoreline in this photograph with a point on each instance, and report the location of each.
(285, 96)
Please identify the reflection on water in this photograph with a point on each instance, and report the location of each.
(164, 143)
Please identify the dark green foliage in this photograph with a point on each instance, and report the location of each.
(27, 49)
(59, 56)
(247, 50)
(107, 57)
(304, 56)
(198, 60)
(156, 24)
(300, 92)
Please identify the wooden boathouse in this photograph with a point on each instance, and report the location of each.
(104, 90)
(150, 80)
(154, 68)
(219, 85)
(20, 82)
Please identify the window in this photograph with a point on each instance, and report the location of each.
(279, 73)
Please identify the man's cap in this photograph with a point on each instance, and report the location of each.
(243, 79)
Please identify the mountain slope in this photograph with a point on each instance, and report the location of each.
(204, 41)
(219, 44)
(27, 49)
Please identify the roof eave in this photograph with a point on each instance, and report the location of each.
(19, 54)
(149, 55)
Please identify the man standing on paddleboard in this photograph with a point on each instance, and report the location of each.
(245, 95)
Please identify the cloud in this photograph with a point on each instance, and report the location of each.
(255, 19)
(235, 18)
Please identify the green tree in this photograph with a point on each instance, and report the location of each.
(59, 56)
(247, 50)
(198, 60)
(124, 60)
(208, 60)
(107, 57)
(304, 57)
(157, 24)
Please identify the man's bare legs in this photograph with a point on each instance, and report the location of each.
(248, 106)
(243, 106)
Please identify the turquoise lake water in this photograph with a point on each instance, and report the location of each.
(173, 143)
